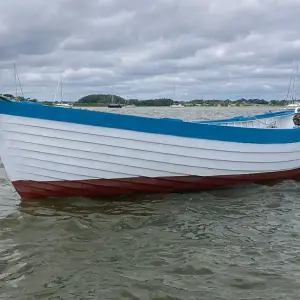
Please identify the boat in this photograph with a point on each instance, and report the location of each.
(178, 105)
(292, 106)
(63, 104)
(114, 105)
(51, 151)
(175, 104)
(292, 89)
(128, 105)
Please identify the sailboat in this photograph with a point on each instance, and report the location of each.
(61, 104)
(112, 104)
(292, 86)
(127, 105)
(130, 106)
(17, 81)
(175, 104)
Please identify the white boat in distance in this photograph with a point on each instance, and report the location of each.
(50, 151)
(61, 104)
(177, 105)
(292, 106)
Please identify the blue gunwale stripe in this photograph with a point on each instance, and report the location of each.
(166, 126)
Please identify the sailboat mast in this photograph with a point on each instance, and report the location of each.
(292, 82)
(295, 82)
(294, 88)
(174, 93)
(16, 80)
(61, 90)
(113, 95)
(56, 91)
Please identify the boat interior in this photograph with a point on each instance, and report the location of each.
(278, 119)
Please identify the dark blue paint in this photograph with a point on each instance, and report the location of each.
(175, 127)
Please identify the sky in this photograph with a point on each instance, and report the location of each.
(180, 49)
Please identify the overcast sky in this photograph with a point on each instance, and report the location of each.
(205, 48)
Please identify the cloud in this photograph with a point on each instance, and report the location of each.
(207, 49)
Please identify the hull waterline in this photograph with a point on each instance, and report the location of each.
(141, 185)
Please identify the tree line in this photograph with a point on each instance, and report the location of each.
(104, 100)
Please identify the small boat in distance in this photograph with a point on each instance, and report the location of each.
(177, 105)
(292, 106)
(63, 104)
(128, 105)
(50, 151)
(114, 105)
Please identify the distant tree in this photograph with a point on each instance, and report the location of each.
(100, 99)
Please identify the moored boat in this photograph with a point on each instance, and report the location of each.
(54, 151)
(114, 105)
(63, 104)
(292, 106)
(177, 105)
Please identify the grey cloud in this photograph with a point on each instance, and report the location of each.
(207, 48)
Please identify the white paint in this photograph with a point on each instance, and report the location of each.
(36, 149)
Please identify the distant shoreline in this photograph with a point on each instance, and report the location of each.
(189, 106)
(184, 105)
(197, 106)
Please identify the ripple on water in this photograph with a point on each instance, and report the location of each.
(214, 245)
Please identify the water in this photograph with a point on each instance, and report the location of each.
(232, 243)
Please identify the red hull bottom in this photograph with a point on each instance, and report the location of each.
(126, 186)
